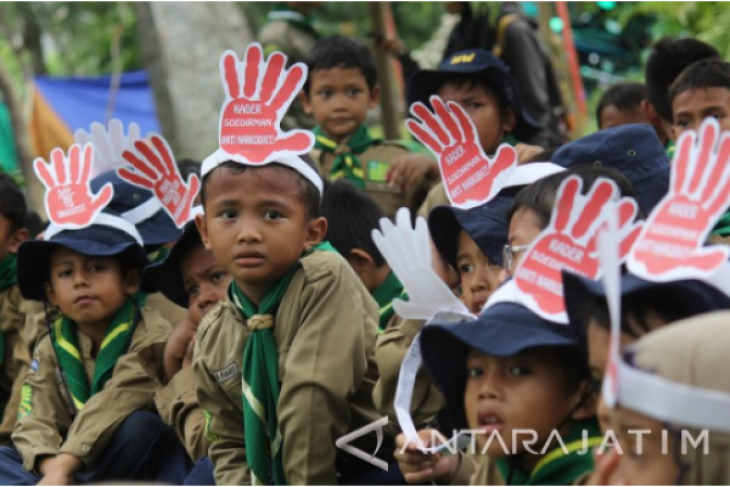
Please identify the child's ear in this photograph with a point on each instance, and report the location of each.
(509, 121)
(202, 225)
(132, 281)
(586, 401)
(360, 260)
(315, 232)
(50, 295)
(17, 238)
(306, 103)
(374, 97)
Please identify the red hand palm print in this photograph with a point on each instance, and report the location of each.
(159, 173)
(570, 240)
(675, 232)
(69, 201)
(252, 113)
(470, 177)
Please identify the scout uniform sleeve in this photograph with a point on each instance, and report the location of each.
(324, 367)
(129, 389)
(390, 351)
(224, 428)
(43, 415)
(183, 413)
(17, 356)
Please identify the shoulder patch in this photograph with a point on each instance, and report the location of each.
(225, 374)
(26, 401)
(33, 366)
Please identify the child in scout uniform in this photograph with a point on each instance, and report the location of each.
(15, 350)
(341, 88)
(83, 414)
(481, 83)
(683, 368)
(188, 277)
(509, 370)
(297, 330)
(351, 217)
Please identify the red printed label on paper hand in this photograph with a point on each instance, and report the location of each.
(69, 201)
(158, 172)
(569, 243)
(251, 116)
(469, 176)
(671, 246)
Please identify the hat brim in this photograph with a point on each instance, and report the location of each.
(34, 259)
(421, 88)
(167, 276)
(502, 330)
(158, 230)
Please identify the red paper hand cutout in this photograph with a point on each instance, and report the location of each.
(69, 200)
(470, 177)
(159, 173)
(671, 245)
(252, 113)
(569, 242)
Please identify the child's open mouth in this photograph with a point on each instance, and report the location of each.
(489, 422)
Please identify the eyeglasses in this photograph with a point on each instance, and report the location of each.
(508, 255)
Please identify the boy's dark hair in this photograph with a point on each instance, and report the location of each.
(540, 195)
(667, 60)
(710, 73)
(351, 216)
(470, 81)
(12, 202)
(33, 223)
(342, 52)
(308, 192)
(188, 167)
(623, 96)
(573, 365)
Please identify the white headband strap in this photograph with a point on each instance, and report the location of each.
(143, 212)
(102, 219)
(290, 160)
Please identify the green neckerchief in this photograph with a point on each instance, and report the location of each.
(282, 11)
(557, 468)
(8, 278)
(511, 140)
(384, 295)
(115, 344)
(722, 228)
(260, 385)
(670, 149)
(346, 165)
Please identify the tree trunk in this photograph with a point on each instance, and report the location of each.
(181, 45)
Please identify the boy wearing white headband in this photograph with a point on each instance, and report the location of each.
(298, 329)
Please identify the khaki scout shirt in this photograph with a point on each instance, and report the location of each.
(50, 429)
(390, 351)
(169, 311)
(22, 322)
(325, 330)
(177, 403)
(376, 161)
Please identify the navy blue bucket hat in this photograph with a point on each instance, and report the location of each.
(424, 83)
(696, 297)
(141, 208)
(34, 256)
(486, 224)
(166, 276)
(502, 330)
(633, 149)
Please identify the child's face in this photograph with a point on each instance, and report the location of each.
(523, 392)
(479, 277)
(611, 116)
(649, 461)
(10, 239)
(483, 107)
(205, 281)
(691, 107)
(89, 290)
(524, 228)
(255, 225)
(339, 99)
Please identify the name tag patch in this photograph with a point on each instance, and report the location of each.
(223, 375)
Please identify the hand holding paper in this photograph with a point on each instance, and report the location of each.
(408, 253)
(252, 113)
(69, 201)
(672, 241)
(158, 172)
(469, 176)
(569, 242)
